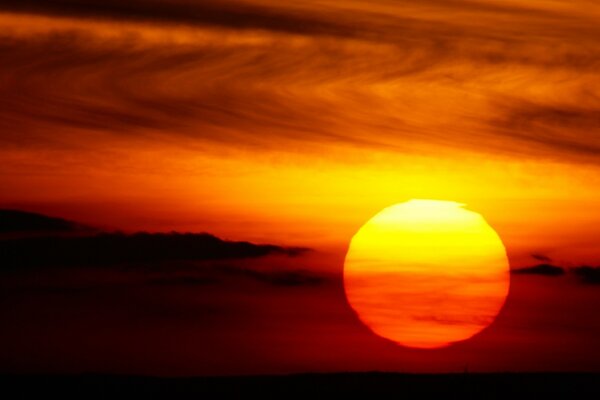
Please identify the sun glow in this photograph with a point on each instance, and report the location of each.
(426, 273)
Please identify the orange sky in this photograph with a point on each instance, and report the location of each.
(307, 120)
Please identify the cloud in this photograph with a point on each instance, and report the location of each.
(22, 222)
(108, 249)
(277, 77)
(116, 248)
(230, 14)
(540, 269)
(541, 257)
(555, 128)
(367, 20)
(587, 274)
(55, 262)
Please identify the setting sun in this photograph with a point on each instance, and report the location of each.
(426, 273)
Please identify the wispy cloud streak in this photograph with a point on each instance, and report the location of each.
(485, 76)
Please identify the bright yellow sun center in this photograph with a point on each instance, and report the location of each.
(426, 273)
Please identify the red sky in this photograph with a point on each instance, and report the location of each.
(293, 124)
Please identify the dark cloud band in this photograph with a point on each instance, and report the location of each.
(112, 249)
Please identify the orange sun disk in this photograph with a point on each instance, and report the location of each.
(426, 273)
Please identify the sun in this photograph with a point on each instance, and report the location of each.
(426, 273)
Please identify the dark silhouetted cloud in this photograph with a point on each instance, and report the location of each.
(53, 262)
(588, 274)
(541, 269)
(16, 221)
(117, 248)
(541, 257)
(106, 249)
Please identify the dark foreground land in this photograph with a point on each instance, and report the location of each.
(369, 385)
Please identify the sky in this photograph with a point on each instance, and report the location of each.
(288, 125)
